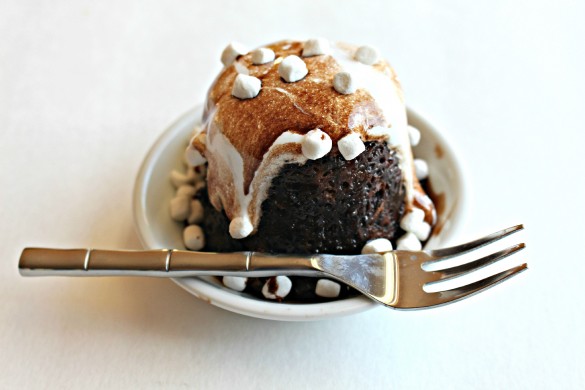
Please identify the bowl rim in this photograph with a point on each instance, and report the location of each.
(233, 301)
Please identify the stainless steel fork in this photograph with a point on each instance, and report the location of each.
(395, 279)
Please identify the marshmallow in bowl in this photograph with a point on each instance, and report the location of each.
(408, 242)
(246, 87)
(292, 69)
(316, 144)
(413, 135)
(236, 283)
(351, 146)
(378, 245)
(186, 190)
(193, 237)
(179, 179)
(192, 175)
(421, 168)
(367, 55)
(413, 222)
(262, 56)
(180, 208)
(421, 230)
(316, 47)
(197, 212)
(344, 83)
(277, 287)
(411, 219)
(327, 288)
(231, 52)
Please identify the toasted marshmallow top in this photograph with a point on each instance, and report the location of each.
(248, 140)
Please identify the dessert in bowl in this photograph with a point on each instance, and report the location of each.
(301, 147)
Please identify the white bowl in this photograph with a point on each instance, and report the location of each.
(156, 229)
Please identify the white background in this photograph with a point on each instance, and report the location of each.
(85, 89)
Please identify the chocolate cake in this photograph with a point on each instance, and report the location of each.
(329, 205)
(304, 148)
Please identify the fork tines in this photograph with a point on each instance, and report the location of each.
(448, 274)
(481, 285)
(476, 244)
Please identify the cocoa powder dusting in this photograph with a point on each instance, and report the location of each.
(252, 125)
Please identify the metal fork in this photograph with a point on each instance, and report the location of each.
(395, 279)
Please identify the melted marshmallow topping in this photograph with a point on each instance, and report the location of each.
(248, 141)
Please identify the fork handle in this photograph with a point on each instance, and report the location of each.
(166, 263)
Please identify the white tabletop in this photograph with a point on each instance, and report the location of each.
(86, 88)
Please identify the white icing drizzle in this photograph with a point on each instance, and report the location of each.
(246, 209)
(388, 98)
(386, 94)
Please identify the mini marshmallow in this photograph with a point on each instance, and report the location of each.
(231, 52)
(316, 47)
(316, 144)
(262, 56)
(408, 242)
(193, 237)
(421, 168)
(327, 288)
(194, 157)
(240, 227)
(413, 135)
(196, 213)
(351, 146)
(422, 231)
(178, 179)
(186, 190)
(344, 83)
(283, 286)
(367, 55)
(180, 208)
(236, 283)
(379, 245)
(292, 69)
(411, 219)
(246, 87)
(191, 175)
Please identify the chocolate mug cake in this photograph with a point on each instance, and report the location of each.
(304, 148)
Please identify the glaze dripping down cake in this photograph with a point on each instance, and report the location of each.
(304, 148)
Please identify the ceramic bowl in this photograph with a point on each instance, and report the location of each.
(153, 192)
